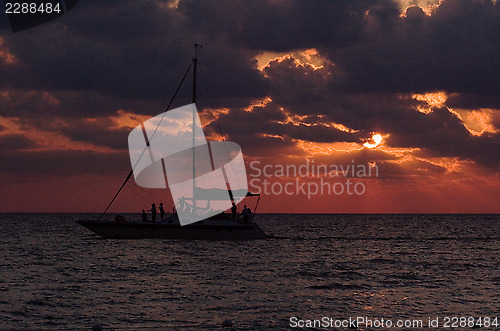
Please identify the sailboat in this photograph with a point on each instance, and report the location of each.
(205, 179)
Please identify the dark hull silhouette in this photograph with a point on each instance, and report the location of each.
(203, 230)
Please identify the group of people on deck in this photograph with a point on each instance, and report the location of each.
(153, 213)
(246, 213)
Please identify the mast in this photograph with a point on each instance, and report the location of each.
(195, 62)
(144, 150)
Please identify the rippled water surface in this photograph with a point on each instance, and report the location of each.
(57, 275)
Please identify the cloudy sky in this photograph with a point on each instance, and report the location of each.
(409, 86)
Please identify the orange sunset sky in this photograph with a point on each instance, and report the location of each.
(408, 87)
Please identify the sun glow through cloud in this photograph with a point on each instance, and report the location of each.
(377, 140)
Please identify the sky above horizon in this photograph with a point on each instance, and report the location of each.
(409, 87)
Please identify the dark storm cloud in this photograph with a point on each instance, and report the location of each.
(15, 142)
(496, 119)
(405, 55)
(420, 168)
(270, 147)
(100, 131)
(4, 24)
(473, 101)
(439, 133)
(97, 133)
(455, 49)
(249, 129)
(110, 55)
(442, 134)
(230, 74)
(385, 167)
(63, 163)
(96, 47)
(45, 106)
(362, 156)
(297, 87)
(303, 91)
(136, 49)
(279, 25)
(128, 49)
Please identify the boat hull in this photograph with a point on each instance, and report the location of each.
(200, 230)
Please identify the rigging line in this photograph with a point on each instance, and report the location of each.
(143, 198)
(135, 187)
(119, 190)
(212, 105)
(163, 116)
(146, 147)
(137, 193)
(149, 193)
(235, 178)
(210, 96)
(148, 198)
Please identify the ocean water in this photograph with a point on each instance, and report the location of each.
(56, 274)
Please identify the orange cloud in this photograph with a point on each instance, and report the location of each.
(433, 100)
(125, 119)
(258, 104)
(6, 57)
(477, 121)
(301, 58)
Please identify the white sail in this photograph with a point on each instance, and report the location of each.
(199, 174)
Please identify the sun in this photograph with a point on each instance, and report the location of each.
(376, 138)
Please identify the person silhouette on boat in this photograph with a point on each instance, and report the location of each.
(144, 216)
(234, 210)
(246, 214)
(153, 212)
(162, 211)
(182, 204)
